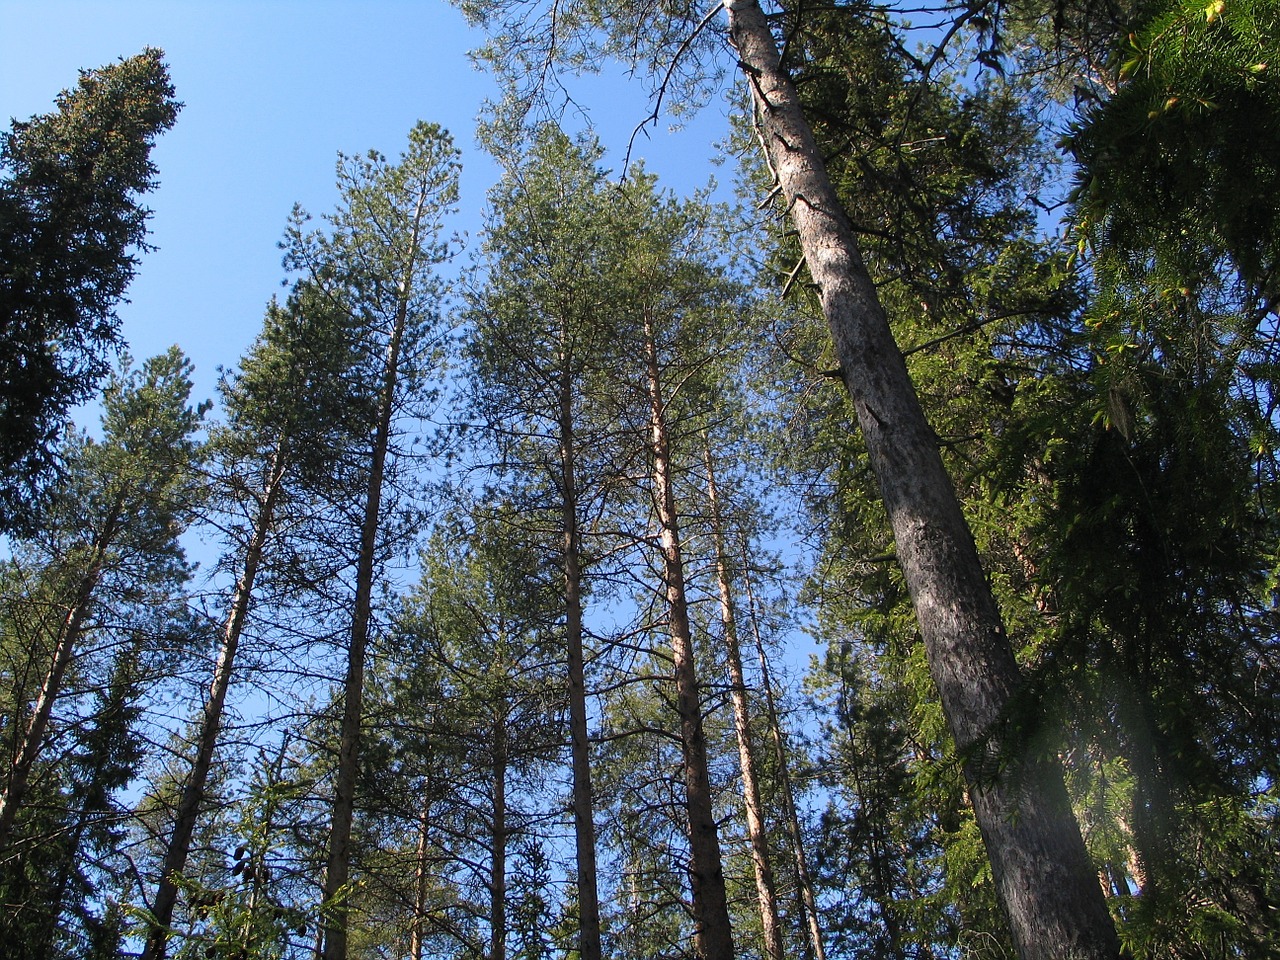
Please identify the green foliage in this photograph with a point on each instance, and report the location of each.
(244, 904)
(464, 727)
(110, 546)
(1181, 160)
(70, 224)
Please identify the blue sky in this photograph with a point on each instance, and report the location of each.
(273, 89)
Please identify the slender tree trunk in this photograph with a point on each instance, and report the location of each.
(583, 810)
(766, 889)
(498, 873)
(179, 848)
(417, 932)
(68, 639)
(338, 863)
(713, 934)
(1041, 869)
(804, 878)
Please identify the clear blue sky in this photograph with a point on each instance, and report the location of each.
(273, 89)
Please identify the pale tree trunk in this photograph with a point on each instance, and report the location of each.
(804, 878)
(68, 639)
(338, 863)
(583, 812)
(766, 889)
(713, 934)
(1041, 869)
(179, 848)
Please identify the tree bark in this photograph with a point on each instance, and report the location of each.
(417, 932)
(1042, 872)
(175, 858)
(713, 934)
(766, 888)
(583, 808)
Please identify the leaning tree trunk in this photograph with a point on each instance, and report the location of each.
(766, 888)
(713, 934)
(121, 690)
(175, 858)
(583, 813)
(338, 863)
(1041, 869)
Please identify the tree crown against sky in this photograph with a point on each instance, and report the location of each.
(71, 231)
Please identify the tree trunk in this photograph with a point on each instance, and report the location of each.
(583, 813)
(175, 858)
(498, 871)
(121, 690)
(338, 864)
(417, 932)
(766, 889)
(1041, 869)
(713, 934)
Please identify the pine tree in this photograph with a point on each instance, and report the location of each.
(540, 323)
(291, 418)
(377, 261)
(108, 553)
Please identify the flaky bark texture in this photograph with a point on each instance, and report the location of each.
(713, 936)
(1041, 869)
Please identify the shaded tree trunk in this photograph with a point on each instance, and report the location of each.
(68, 638)
(112, 724)
(1041, 869)
(498, 870)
